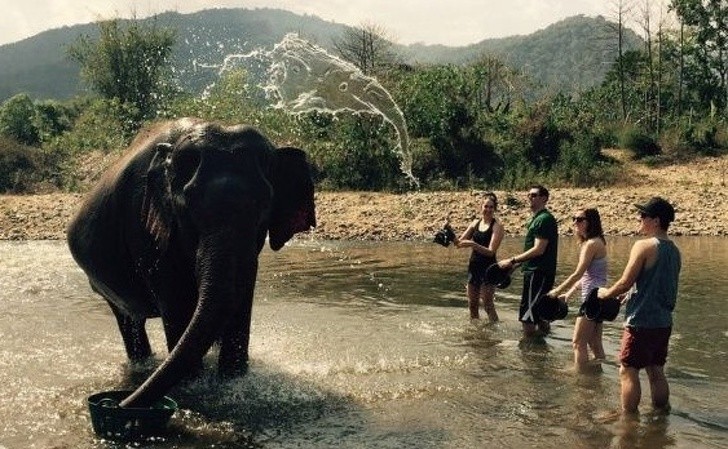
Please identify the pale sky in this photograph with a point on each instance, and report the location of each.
(449, 22)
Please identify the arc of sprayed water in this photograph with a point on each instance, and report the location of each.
(302, 77)
(305, 78)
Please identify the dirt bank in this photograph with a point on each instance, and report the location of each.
(698, 191)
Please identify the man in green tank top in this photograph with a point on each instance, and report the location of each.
(651, 278)
(540, 250)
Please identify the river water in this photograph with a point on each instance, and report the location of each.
(363, 345)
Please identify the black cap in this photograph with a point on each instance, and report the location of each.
(658, 207)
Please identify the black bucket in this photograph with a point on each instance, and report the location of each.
(500, 277)
(444, 236)
(597, 309)
(112, 422)
(551, 309)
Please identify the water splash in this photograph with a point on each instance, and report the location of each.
(300, 77)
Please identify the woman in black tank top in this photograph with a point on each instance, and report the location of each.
(483, 236)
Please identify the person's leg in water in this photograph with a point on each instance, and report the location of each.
(473, 300)
(487, 295)
(534, 285)
(631, 389)
(595, 343)
(583, 330)
(659, 388)
(544, 327)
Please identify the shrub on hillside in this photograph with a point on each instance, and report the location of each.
(19, 166)
(639, 142)
(580, 163)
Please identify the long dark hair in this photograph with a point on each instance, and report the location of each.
(593, 225)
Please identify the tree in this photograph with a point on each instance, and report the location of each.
(495, 83)
(655, 62)
(621, 12)
(708, 21)
(128, 63)
(443, 105)
(16, 120)
(367, 47)
(53, 118)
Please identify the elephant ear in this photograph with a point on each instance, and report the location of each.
(293, 206)
(155, 210)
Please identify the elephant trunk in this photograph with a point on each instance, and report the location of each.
(217, 264)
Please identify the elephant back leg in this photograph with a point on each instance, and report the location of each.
(134, 335)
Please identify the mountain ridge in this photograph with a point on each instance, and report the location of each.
(205, 37)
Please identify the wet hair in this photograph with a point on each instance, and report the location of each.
(593, 225)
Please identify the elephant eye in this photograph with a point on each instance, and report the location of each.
(184, 165)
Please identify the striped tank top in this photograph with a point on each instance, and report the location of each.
(594, 276)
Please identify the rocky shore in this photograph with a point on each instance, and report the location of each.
(698, 190)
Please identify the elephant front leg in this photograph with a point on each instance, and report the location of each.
(233, 358)
(134, 335)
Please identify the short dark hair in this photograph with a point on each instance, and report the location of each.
(543, 191)
(660, 208)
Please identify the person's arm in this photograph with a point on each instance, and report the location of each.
(586, 255)
(571, 291)
(636, 262)
(539, 247)
(466, 235)
(497, 238)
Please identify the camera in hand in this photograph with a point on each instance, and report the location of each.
(444, 236)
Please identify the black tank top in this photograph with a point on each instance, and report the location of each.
(482, 238)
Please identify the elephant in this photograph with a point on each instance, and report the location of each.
(174, 230)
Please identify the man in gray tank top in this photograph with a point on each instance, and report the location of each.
(651, 281)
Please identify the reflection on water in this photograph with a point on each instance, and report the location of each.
(362, 345)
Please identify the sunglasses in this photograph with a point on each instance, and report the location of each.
(644, 215)
(533, 194)
(579, 219)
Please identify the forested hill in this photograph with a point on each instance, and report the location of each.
(574, 53)
(570, 54)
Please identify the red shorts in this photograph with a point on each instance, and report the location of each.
(643, 347)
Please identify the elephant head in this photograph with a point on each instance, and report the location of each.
(184, 217)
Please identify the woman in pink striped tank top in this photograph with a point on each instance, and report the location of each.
(590, 273)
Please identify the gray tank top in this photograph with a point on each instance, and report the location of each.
(654, 294)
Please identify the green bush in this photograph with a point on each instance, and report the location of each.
(20, 166)
(688, 139)
(581, 164)
(361, 156)
(639, 142)
(101, 128)
(702, 138)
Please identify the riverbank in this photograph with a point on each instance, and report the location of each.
(697, 189)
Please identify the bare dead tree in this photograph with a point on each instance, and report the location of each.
(368, 47)
(621, 9)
